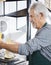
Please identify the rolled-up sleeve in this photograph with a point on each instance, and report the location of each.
(29, 47)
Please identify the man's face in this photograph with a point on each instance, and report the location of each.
(34, 18)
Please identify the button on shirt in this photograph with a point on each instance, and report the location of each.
(41, 41)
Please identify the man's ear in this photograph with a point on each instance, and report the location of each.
(41, 14)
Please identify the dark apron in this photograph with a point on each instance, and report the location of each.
(37, 59)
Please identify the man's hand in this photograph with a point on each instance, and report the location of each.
(12, 46)
(1, 42)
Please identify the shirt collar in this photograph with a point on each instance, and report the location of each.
(44, 24)
(41, 28)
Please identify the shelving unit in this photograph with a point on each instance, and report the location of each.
(20, 13)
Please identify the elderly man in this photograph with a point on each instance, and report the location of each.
(42, 40)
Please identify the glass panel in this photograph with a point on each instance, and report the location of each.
(1, 8)
(21, 25)
(9, 23)
(10, 7)
(21, 5)
(21, 21)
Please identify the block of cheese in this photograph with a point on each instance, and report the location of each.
(8, 54)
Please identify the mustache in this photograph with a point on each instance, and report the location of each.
(33, 22)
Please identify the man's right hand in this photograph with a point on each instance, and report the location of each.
(12, 46)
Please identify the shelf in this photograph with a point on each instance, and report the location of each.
(15, 0)
(49, 10)
(20, 13)
(11, 0)
(2, 0)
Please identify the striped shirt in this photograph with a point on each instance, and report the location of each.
(41, 41)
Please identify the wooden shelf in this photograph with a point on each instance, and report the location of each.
(15, 0)
(20, 13)
(49, 10)
(2, 0)
(12, 0)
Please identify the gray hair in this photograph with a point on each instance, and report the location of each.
(39, 8)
